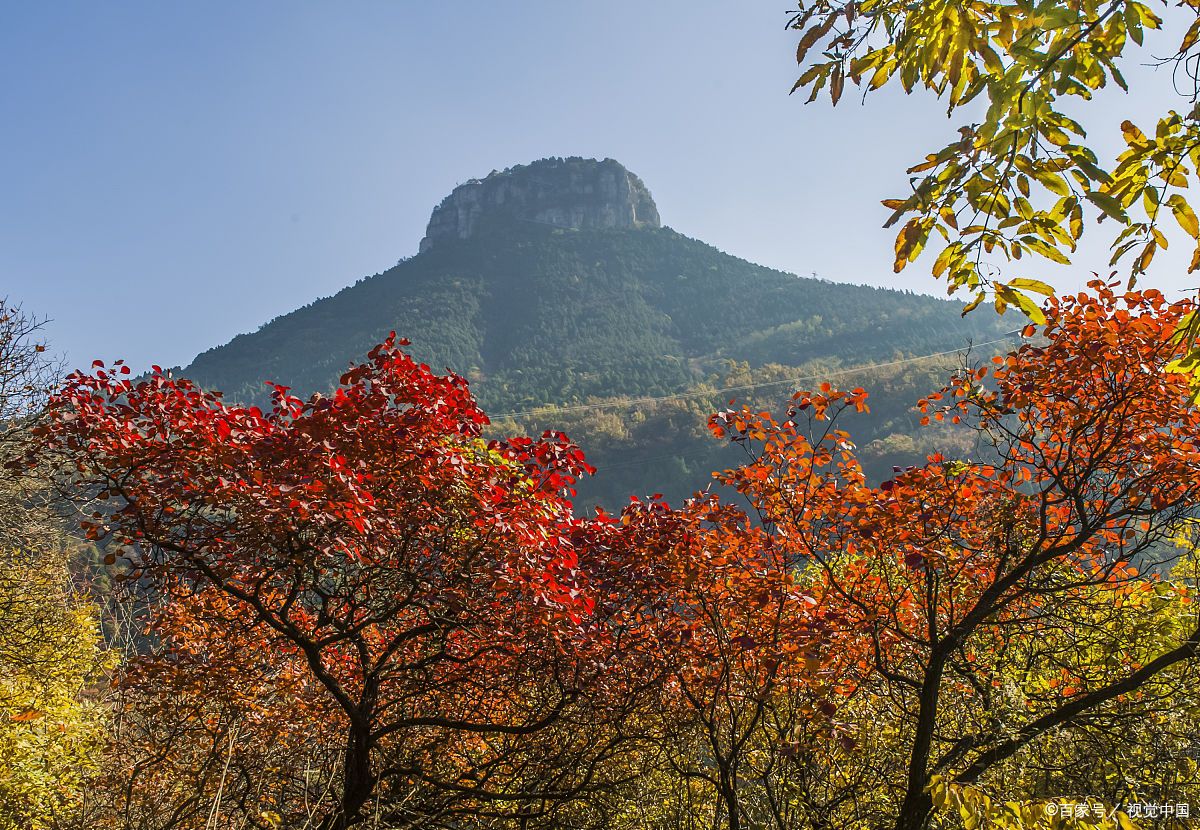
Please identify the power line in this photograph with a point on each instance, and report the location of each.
(560, 410)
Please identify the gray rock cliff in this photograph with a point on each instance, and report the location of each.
(567, 193)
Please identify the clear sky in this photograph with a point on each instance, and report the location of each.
(176, 173)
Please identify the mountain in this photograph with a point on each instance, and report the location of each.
(554, 283)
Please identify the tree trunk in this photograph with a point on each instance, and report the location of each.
(358, 782)
(915, 811)
(917, 805)
(733, 819)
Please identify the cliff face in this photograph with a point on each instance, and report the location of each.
(567, 193)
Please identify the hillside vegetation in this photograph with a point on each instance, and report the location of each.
(540, 319)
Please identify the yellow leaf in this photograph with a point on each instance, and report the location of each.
(1054, 135)
(974, 304)
(1185, 216)
(1189, 39)
(907, 243)
(1053, 182)
(1048, 251)
(1032, 285)
(1027, 306)
(1143, 261)
(880, 77)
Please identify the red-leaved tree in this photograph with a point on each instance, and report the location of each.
(362, 569)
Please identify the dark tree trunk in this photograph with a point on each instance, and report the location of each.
(728, 785)
(358, 782)
(917, 805)
(915, 812)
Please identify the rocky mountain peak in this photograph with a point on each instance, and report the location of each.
(567, 193)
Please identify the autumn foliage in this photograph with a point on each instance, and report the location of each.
(359, 612)
(957, 578)
(366, 563)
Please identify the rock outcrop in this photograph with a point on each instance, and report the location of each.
(567, 193)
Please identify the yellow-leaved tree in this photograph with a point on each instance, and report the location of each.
(1021, 182)
(51, 733)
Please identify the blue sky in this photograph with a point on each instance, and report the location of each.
(177, 173)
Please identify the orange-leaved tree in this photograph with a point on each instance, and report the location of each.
(751, 671)
(978, 594)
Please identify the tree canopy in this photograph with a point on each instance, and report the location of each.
(450, 645)
(1022, 181)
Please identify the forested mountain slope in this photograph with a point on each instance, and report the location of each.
(536, 314)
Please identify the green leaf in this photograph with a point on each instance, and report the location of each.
(1109, 205)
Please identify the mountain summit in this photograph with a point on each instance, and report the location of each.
(575, 193)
